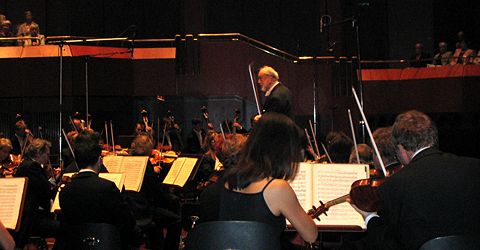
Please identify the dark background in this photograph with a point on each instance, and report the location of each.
(388, 29)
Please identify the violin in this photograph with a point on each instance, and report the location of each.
(9, 166)
(158, 157)
(363, 194)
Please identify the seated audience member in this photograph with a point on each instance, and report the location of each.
(2, 18)
(463, 54)
(91, 199)
(162, 205)
(364, 153)
(25, 28)
(477, 58)
(257, 188)
(6, 240)
(383, 138)
(6, 31)
(41, 189)
(37, 38)
(420, 59)
(443, 57)
(435, 194)
(339, 146)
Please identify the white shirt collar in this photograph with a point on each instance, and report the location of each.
(418, 151)
(86, 170)
(271, 89)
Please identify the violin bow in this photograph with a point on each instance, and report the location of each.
(223, 133)
(70, 148)
(254, 87)
(382, 165)
(106, 135)
(113, 140)
(310, 144)
(353, 136)
(315, 139)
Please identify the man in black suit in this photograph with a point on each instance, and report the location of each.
(195, 138)
(91, 199)
(278, 98)
(435, 194)
(36, 217)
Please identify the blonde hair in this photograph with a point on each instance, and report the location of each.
(37, 147)
(5, 143)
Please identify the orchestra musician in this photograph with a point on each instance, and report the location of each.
(41, 189)
(278, 97)
(162, 205)
(383, 138)
(435, 194)
(91, 199)
(6, 165)
(195, 138)
(257, 188)
(21, 137)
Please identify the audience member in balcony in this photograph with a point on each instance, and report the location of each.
(37, 38)
(420, 58)
(24, 29)
(443, 57)
(2, 18)
(463, 54)
(6, 31)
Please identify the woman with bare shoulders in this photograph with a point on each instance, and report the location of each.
(257, 188)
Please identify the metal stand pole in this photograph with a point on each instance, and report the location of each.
(86, 92)
(60, 46)
(359, 73)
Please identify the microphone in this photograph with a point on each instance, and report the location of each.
(132, 27)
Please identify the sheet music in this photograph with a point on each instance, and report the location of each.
(302, 185)
(174, 171)
(180, 171)
(11, 195)
(134, 169)
(113, 163)
(185, 171)
(332, 181)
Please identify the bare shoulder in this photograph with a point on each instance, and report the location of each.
(280, 189)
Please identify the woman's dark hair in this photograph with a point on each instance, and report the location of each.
(273, 149)
(87, 149)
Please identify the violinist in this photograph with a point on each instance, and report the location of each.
(339, 146)
(256, 188)
(7, 166)
(36, 218)
(163, 206)
(435, 194)
(91, 199)
(383, 138)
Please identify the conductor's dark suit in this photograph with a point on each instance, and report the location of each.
(91, 199)
(280, 101)
(437, 194)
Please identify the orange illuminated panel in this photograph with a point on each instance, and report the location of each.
(45, 51)
(154, 53)
(10, 52)
(96, 51)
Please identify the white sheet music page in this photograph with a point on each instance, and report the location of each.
(332, 181)
(302, 185)
(174, 171)
(134, 169)
(185, 171)
(11, 193)
(113, 163)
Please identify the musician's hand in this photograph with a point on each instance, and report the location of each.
(237, 125)
(361, 212)
(257, 118)
(210, 126)
(157, 169)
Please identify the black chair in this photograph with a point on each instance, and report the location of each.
(233, 235)
(456, 242)
(93, 236)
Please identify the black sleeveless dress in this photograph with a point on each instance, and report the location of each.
(248, 207)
